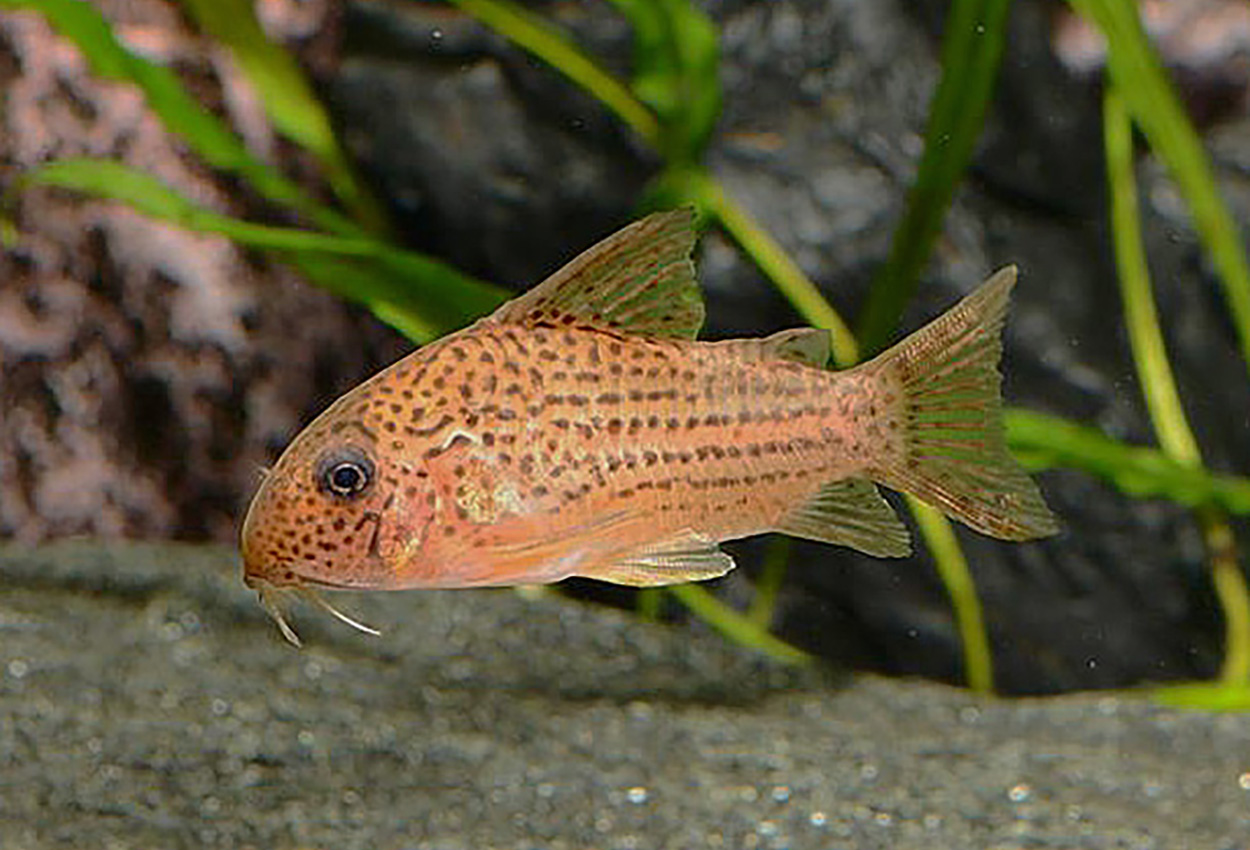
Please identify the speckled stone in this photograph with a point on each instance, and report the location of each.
(146, 701)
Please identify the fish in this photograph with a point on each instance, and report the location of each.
(582, 430)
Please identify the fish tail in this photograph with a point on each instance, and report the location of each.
(947, 407)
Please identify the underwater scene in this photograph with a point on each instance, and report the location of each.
(620, 424)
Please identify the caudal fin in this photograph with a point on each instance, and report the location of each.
(953, 453)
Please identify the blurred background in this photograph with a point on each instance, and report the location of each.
(215, 223)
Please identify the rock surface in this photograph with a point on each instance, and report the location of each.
(146, 701)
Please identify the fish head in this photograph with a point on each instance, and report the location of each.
(338, 509)
(347, 505)
(311, 518)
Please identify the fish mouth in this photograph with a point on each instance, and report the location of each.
(272, 596)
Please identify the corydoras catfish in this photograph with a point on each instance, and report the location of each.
(581, 430)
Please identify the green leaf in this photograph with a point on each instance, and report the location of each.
(971, 49)
(533, 33)
(1154, 372)
(419, 295)
(952, 567)
(1044, 442)
(676, 73)
(287, 97)
(737, 627)
(1141, 80)
(1159, 386)
(181, 114)
(1209, 696)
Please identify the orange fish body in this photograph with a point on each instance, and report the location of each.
(581, 430)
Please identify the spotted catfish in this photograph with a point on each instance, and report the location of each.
(581, 430)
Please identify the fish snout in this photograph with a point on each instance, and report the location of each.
(326, 523)
(266, 562)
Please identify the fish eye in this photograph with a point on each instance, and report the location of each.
(345, 472)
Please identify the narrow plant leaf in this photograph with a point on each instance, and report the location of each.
(1206, 696)
(288, 99)
(676, 73)
(546, 42)
(1150, 356)
(421, 296)
(956, 577)
(1141, 80)
(1158, 385)
(348, 276)
(1043, 442)
(181, 114)
(971, 49)
(737, 627)
(769, 581)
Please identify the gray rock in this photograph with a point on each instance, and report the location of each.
(146, 701)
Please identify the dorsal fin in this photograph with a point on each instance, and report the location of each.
(801, 345)
(640, 280)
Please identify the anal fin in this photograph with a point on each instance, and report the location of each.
(851, 513)
(687, 557)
